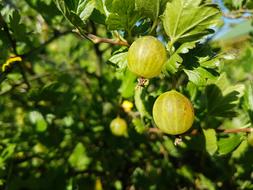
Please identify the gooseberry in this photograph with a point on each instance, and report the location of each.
(118, 127)
(146, 57)
(173, 113)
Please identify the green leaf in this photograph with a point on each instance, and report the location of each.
(123, 15)
(192, 3)
(139, 126)
(76, 11)
(228, 144)
(184, 20)
(5, 154)
(38, 119)
(148, 8)
(202, 182)
(235, 4)
(163, 5)
(79, 159)
(223, 98)
(199, 76)
(48, 10)
(41, 125)
(186, 172)
(18, 29)
(170, 147)
(128, 84)
(192, 90)
(210, 63)
(248, 101)
(120, 60)
(8, 151)
(108, 4)
(219, 105)
(100, 6)
(238, 3)
(240, 151)
(211, 141)
(139, 99)
(175, 60)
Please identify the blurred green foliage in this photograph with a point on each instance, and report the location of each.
(57, 104)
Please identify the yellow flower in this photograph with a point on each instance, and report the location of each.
(127, 106)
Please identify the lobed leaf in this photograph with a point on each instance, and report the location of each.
(186, 21)
(123, 15)
(199, 76)
(175, 60)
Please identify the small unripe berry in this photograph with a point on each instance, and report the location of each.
(118, 127)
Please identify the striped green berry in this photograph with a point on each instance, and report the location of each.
(146, 57)
(173, 113)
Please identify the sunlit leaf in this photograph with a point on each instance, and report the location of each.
(76, 11)
(123, 15)
(199, 76)
(228, 144)
(187, 21)
(79, 159)
(211, 141)
(175, 60)
(148, 8)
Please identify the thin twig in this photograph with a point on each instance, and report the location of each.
(9, 174)
(23, 73)
(239, 14)
(232, 16)
(243, 130)
(195, 131)
(96, 39)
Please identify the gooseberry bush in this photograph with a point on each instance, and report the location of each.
(125, 94)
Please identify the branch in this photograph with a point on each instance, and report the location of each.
(96, 39)
(195, 131)
(239, 14)
(243, 130)
(23, 73)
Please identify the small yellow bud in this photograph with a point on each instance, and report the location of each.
(127, 106)
(98, 184)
